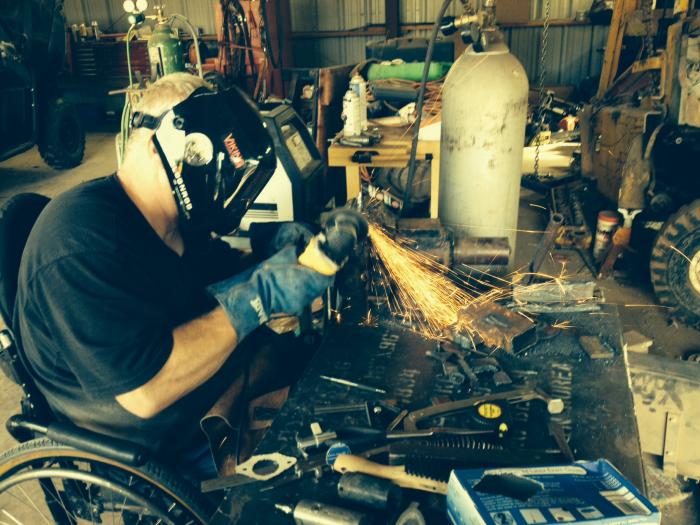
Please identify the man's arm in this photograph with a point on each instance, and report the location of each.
(200, 348)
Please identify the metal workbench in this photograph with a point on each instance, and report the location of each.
(601, 405)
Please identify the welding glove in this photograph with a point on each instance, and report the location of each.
(267, 238)
(279, 285)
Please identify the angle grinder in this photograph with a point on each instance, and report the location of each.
(343, 230)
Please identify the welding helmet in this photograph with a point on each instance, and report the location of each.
(218, 156)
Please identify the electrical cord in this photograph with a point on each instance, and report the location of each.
(266, 38)
(420, 103)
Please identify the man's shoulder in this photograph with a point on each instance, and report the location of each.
(80, 220)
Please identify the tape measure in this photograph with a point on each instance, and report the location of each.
(495, 416)
(489, 411)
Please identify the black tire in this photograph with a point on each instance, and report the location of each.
(160, 487)
(675, 265)
(61, 137)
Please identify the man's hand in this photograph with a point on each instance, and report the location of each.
(279, 285)
(268, 238)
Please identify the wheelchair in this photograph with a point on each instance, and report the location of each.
(60, 473)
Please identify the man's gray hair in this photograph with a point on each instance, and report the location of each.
(167, 92)
(161, 96)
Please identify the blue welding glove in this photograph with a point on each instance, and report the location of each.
(268, 238)
(279, 285)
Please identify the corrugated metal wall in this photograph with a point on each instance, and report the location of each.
(574, 51)
(111, 17)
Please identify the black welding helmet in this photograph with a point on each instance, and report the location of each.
(218, 156)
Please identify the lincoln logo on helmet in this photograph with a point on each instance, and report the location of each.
(233, 151)
(184, 195)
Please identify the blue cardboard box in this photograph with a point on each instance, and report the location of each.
(590, 492)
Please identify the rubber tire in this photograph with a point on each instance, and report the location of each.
(164, 480)
(61, 137)
(678, 242)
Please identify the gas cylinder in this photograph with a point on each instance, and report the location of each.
(164, 50)
(484, 113)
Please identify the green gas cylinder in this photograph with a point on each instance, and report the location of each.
(164, 50)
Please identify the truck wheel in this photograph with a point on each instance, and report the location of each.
(675, 264)
(61, 137)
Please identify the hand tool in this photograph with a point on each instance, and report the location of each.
(397, 474)
(317, 438)
(515, 396)
(343, 230)
(369, 491)
(439, 462)
(352, 384)
(376, 412)
(308, 512)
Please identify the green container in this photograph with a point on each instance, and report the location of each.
(164, 51)
(412, 71)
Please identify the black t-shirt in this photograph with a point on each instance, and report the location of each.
(99, 295)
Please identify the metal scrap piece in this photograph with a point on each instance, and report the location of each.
(497, 326)
(279, 461)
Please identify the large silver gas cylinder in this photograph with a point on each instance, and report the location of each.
(484, 113)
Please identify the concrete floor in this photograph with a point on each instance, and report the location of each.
(27, 172)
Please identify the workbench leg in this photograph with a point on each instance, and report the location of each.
(434, 186)
(352, 181)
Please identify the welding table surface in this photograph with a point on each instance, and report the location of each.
(604, 425)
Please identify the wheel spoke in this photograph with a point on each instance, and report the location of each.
(10, 516)
(30, 505)
(73, 490)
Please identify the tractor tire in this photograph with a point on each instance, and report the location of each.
(61, 137)
(675, 265)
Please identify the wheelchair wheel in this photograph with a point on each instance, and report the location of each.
(43, 482)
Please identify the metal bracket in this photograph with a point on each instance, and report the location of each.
(278, 463)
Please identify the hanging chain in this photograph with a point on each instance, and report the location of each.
(648, 17)
(649, 48)
(542, 78)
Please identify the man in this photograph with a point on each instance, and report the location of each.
(117, 325)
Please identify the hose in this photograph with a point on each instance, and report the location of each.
(195, 40)
(128, 53)
(419, 104)
(126, 111)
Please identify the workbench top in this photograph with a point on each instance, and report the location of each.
(393, 150)
(600, 407)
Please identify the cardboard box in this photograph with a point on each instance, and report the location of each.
(513, 11)
(590, 492)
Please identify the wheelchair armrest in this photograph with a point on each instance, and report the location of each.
(107, 447)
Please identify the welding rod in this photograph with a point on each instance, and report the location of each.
(352, 384)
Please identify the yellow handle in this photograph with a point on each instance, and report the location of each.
(314, 258)
(349, 463)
